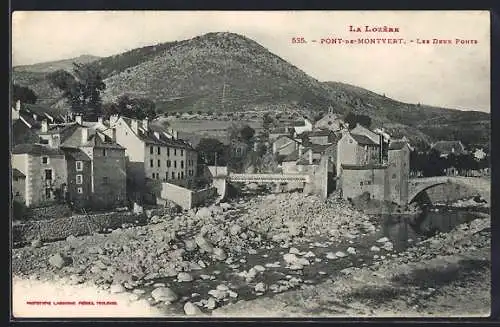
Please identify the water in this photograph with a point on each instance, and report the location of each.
(401, 230)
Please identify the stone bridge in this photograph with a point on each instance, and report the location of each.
(481, 185)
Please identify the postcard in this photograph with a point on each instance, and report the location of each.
(250, 164)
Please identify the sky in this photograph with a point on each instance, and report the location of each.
(447, 75)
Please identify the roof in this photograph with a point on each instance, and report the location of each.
(449, 147)
(397, 145)
(36, 149)
(26, 118)
(76, 154)
(363, 167)
(323, 132)
(361, 139)
(305, 162)
(294, 156)
(17, 173)
(280, 130)
(160, 138)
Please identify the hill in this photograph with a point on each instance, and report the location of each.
(231, 73)
(47, 67)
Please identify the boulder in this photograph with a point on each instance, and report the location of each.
(340, 254)
(204, 213)
(164, 294)
(290, 258)
(331, 256)
(383, 240)
(225, 206)
(57, 260)
(375, 249)
(36, 243)
(184, 277)
(351, 250)
(260, 287)
(190, 245)
(117, 288)
(203, 244)
(235, 229)
(191, 309)
(219, 254)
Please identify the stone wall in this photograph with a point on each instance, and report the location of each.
(186, 198)
(60, 228)
(49, 212)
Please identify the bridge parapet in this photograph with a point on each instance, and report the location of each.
(481, 185)
(268, 178)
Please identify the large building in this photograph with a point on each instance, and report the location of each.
(358, 150)
(154, 155)
(331, 121)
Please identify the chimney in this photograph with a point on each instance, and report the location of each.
(381, 148)
(145, 124)
(100, 120)
(176, 135)
(18, 105)
(45, 126)
(300, 150)
(78, 119)
(85, 134)
(310, 157)
(114, 134)
(134, 124)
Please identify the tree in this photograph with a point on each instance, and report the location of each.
(247, 133)
(352, 119)
(82, 89)
(267, 122)
(24, 94)
(136, 108)
(208, 148)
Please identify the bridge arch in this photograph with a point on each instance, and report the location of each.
(418, 186)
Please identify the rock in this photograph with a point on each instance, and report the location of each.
(222, 287)
(340, 254)
(117, 288)
(191, 309)
(190, 245)
(290, 258)
(138, 209)
(138, 291)
(382, 240)
(36, 243)
(259, 268)
(351, 250)
(309, 254)
(260, 287)
(219, 254)
(194, 266)
(204, 213)
(203, 244)
(232, 294)
(211, 304)
(235, 229)
(204, 276)
(331, 256)
(164, 294)
(57, 260)
(388, 246)
(184, 277)
(226, 206)
(375, 249)
(294, 251)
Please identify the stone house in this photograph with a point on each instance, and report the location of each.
(307, 127)
(95, 163)
(357, 150)
(320, 137)
(18, 185)
(44, 168)
(281, 131)
(153, 155)
(331, 121)
(384, 182)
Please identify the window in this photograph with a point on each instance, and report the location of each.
(48, 191)
(175, 152)
(173, 175)
(48, 174)
(393, 176)
(45, 160)
(159, 161)
(103, 152)
(17, 194)
(168, 151)
(151, 150)
(178, 175)
(182, 163)
(151, 163)
(166, 175)
(159, 150)
(182, 152)
(79, 190)
(157, 176)
(175, 163)
(182, 174)
(79, 166)
(169, 163)
(105, 180)
(79, 179)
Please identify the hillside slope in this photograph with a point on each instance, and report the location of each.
(229, 72)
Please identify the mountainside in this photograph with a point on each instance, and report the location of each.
(229, 72)
(47, 67)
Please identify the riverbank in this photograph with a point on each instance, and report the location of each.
(252, 249)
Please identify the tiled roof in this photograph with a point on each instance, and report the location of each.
(397, 145)
(361, 139)
(17, 173)
(447, 147)
(149, 137)
(36, 149)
